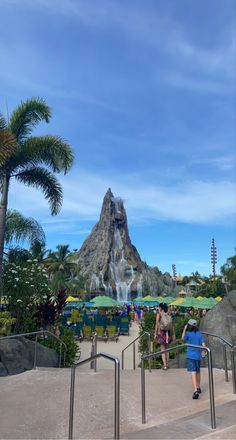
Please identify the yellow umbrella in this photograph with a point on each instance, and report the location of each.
(218, 298)
(71, 298)
(200, 297)
(177, 302)
(182, 292)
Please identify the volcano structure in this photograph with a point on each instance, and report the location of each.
(109, 262)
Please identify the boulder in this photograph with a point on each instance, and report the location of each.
(221, 320)
(17, 356)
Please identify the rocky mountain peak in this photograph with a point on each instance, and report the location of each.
(108, 260)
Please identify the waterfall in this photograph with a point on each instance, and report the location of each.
(121, 271)
(94, 284)
(139, 286)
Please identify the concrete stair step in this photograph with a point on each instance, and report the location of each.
(196, 426)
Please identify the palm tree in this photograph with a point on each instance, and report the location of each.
(60, 265)
(31, 160)
(20, 228)
(228, 271)
(7, 141)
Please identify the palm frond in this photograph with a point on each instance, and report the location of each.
(48, 150)
(27, 115)
(20, 228)
(39, 177)
(3, 122)
(7, 145)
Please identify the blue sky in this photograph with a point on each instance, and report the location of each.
(144, 91)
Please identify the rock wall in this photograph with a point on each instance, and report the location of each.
(17, 356)
(221, 320)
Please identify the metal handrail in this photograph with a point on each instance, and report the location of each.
(36, 334)
(117, 392)
(210, 378)
(233, 348)
(229, 344)
(219, 337)
(133, 343)
(94, 351)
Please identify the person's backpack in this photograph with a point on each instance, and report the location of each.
(166, 322)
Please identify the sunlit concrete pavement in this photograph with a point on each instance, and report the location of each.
(35, 405)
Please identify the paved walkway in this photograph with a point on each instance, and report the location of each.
(114, 348)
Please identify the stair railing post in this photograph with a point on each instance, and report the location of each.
(134, 366)
(149, 351)
(72, 398)
(211, 389)
(60, 356)
(233, 368)
(123, 360)
(95, 351)
(143, 397)
(225, 362)
(117, 401)
(35, 351)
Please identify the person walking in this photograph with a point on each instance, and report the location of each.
(192, 335)
(164, 332)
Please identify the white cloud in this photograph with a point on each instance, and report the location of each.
(224, 163)
(188, 201)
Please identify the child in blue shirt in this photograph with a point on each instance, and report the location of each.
(192, 335)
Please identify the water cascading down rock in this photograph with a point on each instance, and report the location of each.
(109, 262)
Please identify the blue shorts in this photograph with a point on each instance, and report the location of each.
(193, 365)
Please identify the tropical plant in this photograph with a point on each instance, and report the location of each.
(51, 309)
(25, 286)
(72, 353)
(228, 271)
(20, 228)
(61, 267)
(6, 322)
(31, 160)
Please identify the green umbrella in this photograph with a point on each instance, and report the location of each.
(190, 302)
(105, 301)
(150, 298)
(204, 305)
(139, 299)
(168, 299)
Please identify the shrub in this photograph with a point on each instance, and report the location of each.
(72, 353)
(6, 322)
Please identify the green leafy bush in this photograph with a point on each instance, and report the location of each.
(72, 353)
(6, 322)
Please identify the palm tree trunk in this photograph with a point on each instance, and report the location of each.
(3, 211)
